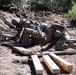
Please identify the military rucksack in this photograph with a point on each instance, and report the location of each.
(59, 27)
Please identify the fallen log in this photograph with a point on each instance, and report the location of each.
(51, 64)
(62, 63)
(67, 52)
(23, 50)
(73, 40)
(6, 35)
(31, 52)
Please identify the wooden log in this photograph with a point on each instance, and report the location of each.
(23, 50)
(65, 52)
(6, 35)
(51, 64)
(30, 52)
(38, 66)
(73, 40)
(62, 63)
(68, 52)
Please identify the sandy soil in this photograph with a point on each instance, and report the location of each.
(14, 63)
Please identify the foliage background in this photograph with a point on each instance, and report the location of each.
(47, 5)
(72, 12)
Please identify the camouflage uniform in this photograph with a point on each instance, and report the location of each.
(59, 40)
(31, 36)
(57, 37)
(19, 24)
(63, 42)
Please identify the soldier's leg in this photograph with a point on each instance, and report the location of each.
(49, 32)
(61, 44)
(25, 40)
(36, 36)
(71, 45)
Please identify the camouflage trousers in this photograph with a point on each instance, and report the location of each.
(29, 35)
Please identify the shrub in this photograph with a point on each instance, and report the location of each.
(5, 2)
(17, 2)
(53, 5)
(72, 13)
(40, 4)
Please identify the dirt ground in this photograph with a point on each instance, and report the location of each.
(14, 63)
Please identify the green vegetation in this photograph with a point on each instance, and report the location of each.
(40, 4)
(21, 3)
(5, 2)
(17, 2)
(52, 5)
(48, 5)
(72, 13)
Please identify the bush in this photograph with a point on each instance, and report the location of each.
(61, 5)
(40, 4)
(21, 3)
(17, 2)
(46, 7)
(52, 5)
(5, 2)
(72, 13)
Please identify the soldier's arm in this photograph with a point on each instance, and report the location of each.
(42, 34)
(48, 37)
(45, 40)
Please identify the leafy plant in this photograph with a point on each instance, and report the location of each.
(17, 2)
(52, 5)
(5, 2)
(40, 4)
(72, 13)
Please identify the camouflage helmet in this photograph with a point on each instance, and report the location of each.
(15, 21)
(43, 26)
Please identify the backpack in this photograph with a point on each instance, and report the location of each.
(58, 27)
